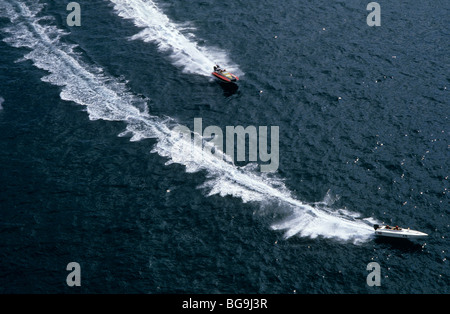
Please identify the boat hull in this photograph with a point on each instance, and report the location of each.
(226, 77)
(402, 233)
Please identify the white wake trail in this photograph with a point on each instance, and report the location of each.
(171, 37)
(109, 99)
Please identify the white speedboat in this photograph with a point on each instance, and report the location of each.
(397, 232)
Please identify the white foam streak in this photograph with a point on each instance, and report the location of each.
(170, 37)
(109, 99)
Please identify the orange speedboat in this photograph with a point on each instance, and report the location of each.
(224, 75)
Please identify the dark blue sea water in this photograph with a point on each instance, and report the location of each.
(91, 169)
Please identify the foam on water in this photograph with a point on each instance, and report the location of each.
(171, 37)
(109, 99)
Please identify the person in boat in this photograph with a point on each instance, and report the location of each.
(387, 227)
(397, 228)
(218, 69)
